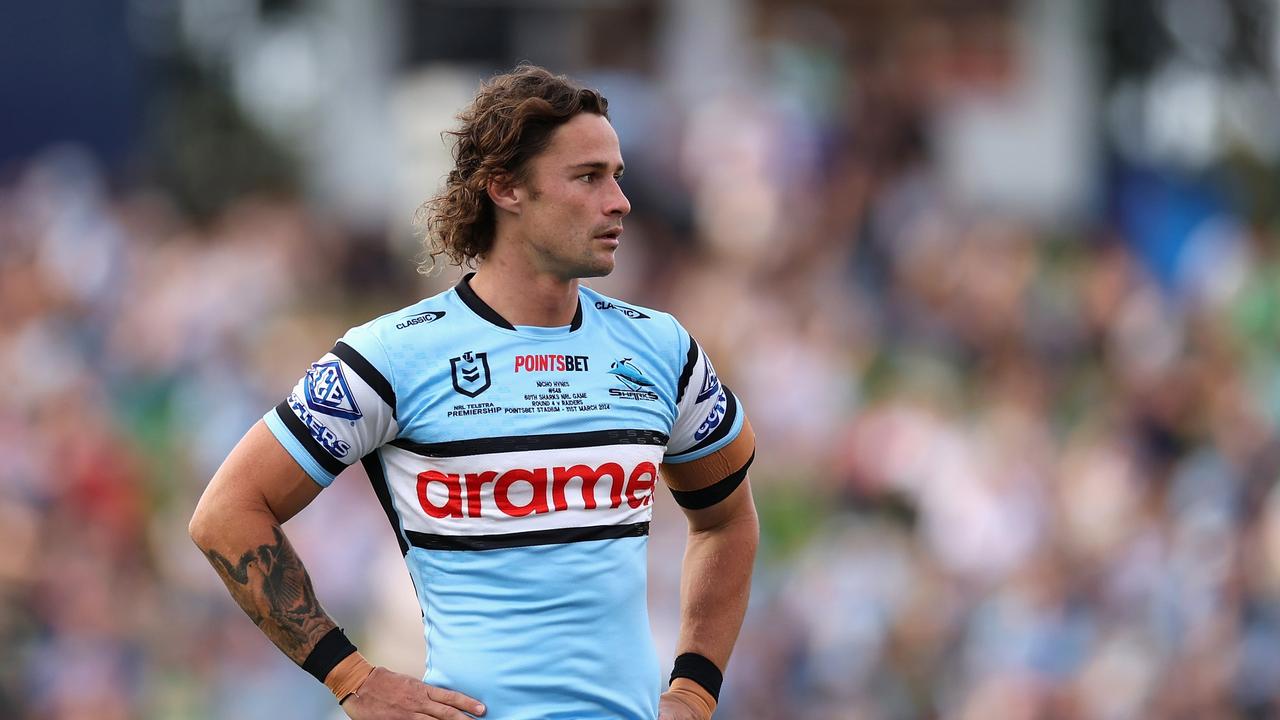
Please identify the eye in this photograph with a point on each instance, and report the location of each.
(588, 178)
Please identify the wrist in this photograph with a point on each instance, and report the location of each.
(696, 680)
(701, 671)
(348, 675)
(335, 662)
(693, 695)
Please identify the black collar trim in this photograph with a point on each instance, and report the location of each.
(576, 322)
(481, 308)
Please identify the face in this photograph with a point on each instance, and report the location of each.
(571, 207)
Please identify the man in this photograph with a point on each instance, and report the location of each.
(512, 428)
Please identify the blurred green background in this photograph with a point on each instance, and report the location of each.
(999, 283)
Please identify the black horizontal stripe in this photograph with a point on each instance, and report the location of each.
(687, 372)
(712, 494)
(556, 536)
(367, 372)
(331, 464)
(525, 443)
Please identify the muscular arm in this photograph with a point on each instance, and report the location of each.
(715, 579)
(237, 526)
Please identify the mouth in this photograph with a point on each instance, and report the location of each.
(610, 236)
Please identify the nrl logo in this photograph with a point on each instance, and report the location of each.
(470, 373)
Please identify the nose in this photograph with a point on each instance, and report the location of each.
(617, 204)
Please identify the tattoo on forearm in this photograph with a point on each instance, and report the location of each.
(273, 588)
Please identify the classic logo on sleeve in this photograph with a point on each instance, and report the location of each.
(422, 317)
(632, 313)
(328, 393)
(470, 373)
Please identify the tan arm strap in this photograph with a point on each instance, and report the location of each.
(695, 695)
(348, 675)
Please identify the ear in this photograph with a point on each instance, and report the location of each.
(505, 192)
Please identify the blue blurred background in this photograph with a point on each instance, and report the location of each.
(998, 281)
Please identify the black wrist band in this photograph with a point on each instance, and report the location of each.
(332, 649)
(700, 670)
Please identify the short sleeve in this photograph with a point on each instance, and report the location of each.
(708, 415)
(340, 410)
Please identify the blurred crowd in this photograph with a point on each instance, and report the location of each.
(1007, 468)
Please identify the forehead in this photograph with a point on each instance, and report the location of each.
(586, 138)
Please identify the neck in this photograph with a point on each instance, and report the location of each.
(524, 296)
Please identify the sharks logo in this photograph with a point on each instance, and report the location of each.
(629, 374)
(471, 373)
(633, 379)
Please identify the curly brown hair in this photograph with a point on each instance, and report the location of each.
(509, 122)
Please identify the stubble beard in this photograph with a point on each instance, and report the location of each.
(593, 265)
(582, 260)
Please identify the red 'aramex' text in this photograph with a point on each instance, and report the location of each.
(464, 492)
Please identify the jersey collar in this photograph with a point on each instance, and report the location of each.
(481, 308)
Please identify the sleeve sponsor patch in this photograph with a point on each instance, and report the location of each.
(710, 385)
(328, 393)
(341, 409)
(714, 417)
(319, 432)
(707, 419)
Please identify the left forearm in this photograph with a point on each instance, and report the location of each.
(715, 585)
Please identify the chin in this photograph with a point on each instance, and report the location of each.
(596, 271)
(597, 267)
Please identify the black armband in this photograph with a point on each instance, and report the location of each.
(700, 670)
(332, 649)
(712, 494)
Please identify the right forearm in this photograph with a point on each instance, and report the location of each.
(266, 578)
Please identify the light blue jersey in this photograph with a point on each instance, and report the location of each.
(517, 467)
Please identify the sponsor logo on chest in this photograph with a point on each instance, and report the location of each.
(520, 492)
(551, 363)
(544, 383)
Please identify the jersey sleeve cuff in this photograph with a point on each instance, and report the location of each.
(701, 452)
(295, 448)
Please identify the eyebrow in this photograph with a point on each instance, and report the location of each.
(600, 166)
